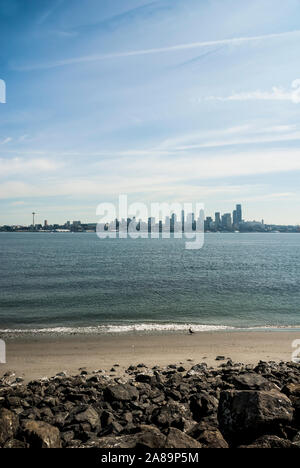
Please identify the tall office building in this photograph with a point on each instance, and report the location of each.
(151, 224)
(217, 220)
(182, 220)
(173, 222)
(226, 221)
(208, 223)
(190, 220)
(235, 219)
(239, 214)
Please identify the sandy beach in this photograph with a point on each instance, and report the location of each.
(37, 357)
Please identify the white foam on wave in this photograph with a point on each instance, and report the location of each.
(101, 329)
(137, 327)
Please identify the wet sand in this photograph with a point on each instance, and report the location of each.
(36, 357)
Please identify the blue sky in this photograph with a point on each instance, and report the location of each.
(170, 100)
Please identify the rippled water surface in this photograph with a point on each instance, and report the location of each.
(70, 282)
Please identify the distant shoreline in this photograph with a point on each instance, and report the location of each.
(206, 232)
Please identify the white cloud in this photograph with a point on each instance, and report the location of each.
(20, 166)
(213, 166)
(178, 177)
(276, 94)
(96, 190)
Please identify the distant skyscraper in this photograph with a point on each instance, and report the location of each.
(217, 220)
(151, 224)
(182, 220)
(227, 221)
(208, 223)
(173, 222)
(190, 219)
(235, 220)
(239, 213)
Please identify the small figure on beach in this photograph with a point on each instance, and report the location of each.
(191, 332)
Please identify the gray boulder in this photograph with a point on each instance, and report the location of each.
(178, 439)
(252, 381)
(41, 435)
(121, 392)
(89, 416)
(244, 413)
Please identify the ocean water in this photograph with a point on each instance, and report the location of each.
(77, 283)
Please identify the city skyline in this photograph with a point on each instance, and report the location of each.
(182, 221)
(113, 98)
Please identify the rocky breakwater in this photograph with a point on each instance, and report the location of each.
(173, 407)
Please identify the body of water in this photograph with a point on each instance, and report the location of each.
(66, 283)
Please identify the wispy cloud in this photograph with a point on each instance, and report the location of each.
(145, 176)
(186, 143)
(232, 136)
(28, 166)
(276, 94)
(47, 13)
(272, 197)
(87, 188)
(18, 203)
(5, 141)
(160, 50)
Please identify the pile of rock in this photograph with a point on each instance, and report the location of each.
(173, 407)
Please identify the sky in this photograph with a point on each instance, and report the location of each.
(165, 101)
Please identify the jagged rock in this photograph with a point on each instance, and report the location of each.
(202, 405)
(144, 378)
(292, 389)
(270, 441)
(208, 434)
(113, 428)
(8, 378)
(150, 437)
(41, 435)
(9, 423)
(121, 392)
(67, 436)
(232, 405)
(174, 395)
(147, 437)
(170, 415)
(243, 413)
(220, 358)
(178, 439)
(88, 416)
(252, 381)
